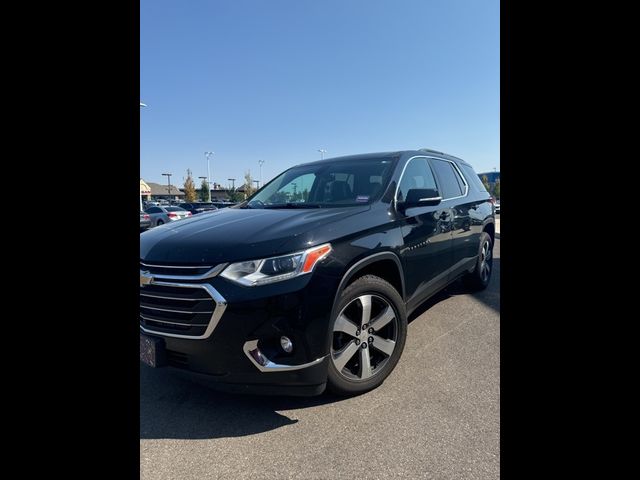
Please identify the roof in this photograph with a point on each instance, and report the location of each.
(157, 189)
(366, 156)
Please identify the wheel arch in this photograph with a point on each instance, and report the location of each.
(385, 265)
(490, 228)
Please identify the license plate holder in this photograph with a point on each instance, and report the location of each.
(152, 351)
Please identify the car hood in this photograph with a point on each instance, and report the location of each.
(233, 234)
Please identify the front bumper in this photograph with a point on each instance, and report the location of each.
(256, 318)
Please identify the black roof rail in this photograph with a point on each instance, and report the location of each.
(431, 151)
(442, 153)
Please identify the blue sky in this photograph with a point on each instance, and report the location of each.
(277, 80)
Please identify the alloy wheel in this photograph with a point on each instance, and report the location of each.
(364, 337)
(485, 261)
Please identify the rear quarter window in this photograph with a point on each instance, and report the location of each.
(473, 179)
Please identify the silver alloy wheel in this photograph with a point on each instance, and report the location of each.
(364, 337)
(485, 261)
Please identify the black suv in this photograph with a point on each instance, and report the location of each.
(309, 282)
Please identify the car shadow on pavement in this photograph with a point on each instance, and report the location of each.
(172, 406)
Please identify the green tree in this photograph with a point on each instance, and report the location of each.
(189, 188)
(235, 196)
(485, 182)
(248, 184)
(204, 191)
(496, 189)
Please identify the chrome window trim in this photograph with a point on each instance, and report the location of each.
(464, 180)
(221, 305)
(204, 276)
(274, 367)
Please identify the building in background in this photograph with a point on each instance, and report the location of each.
(492, 178)
(159, 192)
(145, 191)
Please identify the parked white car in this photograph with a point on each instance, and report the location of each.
(162, 215)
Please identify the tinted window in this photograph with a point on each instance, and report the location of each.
(185, 205)
(153, 210)
(473, 178)
(450, 185)
(175, 209)
(417, 174)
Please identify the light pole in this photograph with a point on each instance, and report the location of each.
(261, 162)
(141, 105)
(322, 152)
(168, 175)
(257, 182)
(233, 183)
(208, 154)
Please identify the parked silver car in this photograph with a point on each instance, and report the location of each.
(161, 215)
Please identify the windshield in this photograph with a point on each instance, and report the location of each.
(175, 209)
(337, 184)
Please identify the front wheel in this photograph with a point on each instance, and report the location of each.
(367, 337)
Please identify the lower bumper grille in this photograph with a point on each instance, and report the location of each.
(180, 310)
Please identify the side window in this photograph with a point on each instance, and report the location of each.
(473, 178)
(417, 174)
(450, 183)
(153, 210)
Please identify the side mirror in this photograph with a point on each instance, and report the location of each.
(420, 197)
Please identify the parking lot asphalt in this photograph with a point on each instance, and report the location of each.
(437, 415)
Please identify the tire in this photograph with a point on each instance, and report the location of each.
(479, 278)
(347, 373)
(159, 222)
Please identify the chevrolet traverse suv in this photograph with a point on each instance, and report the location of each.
(308, 283)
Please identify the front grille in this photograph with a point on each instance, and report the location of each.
(176, 271)
(189, 310)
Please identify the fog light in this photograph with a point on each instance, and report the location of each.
(257, 355)
(286, 344)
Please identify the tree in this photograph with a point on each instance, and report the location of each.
(496, 189)
(248, 184)
(235, 196)
(204, 191)
(485, 182)
(189, 188)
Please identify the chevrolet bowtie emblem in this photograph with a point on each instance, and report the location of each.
(145, 278)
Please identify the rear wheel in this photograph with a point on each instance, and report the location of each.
(480, 277)
(367, 336)
(159, 222)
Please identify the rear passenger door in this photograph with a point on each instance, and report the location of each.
(426, 232)
(454, 191)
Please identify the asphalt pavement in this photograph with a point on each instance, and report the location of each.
(437, 415)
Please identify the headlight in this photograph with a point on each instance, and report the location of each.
(275, 269)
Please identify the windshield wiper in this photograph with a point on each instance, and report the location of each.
(294, 205)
